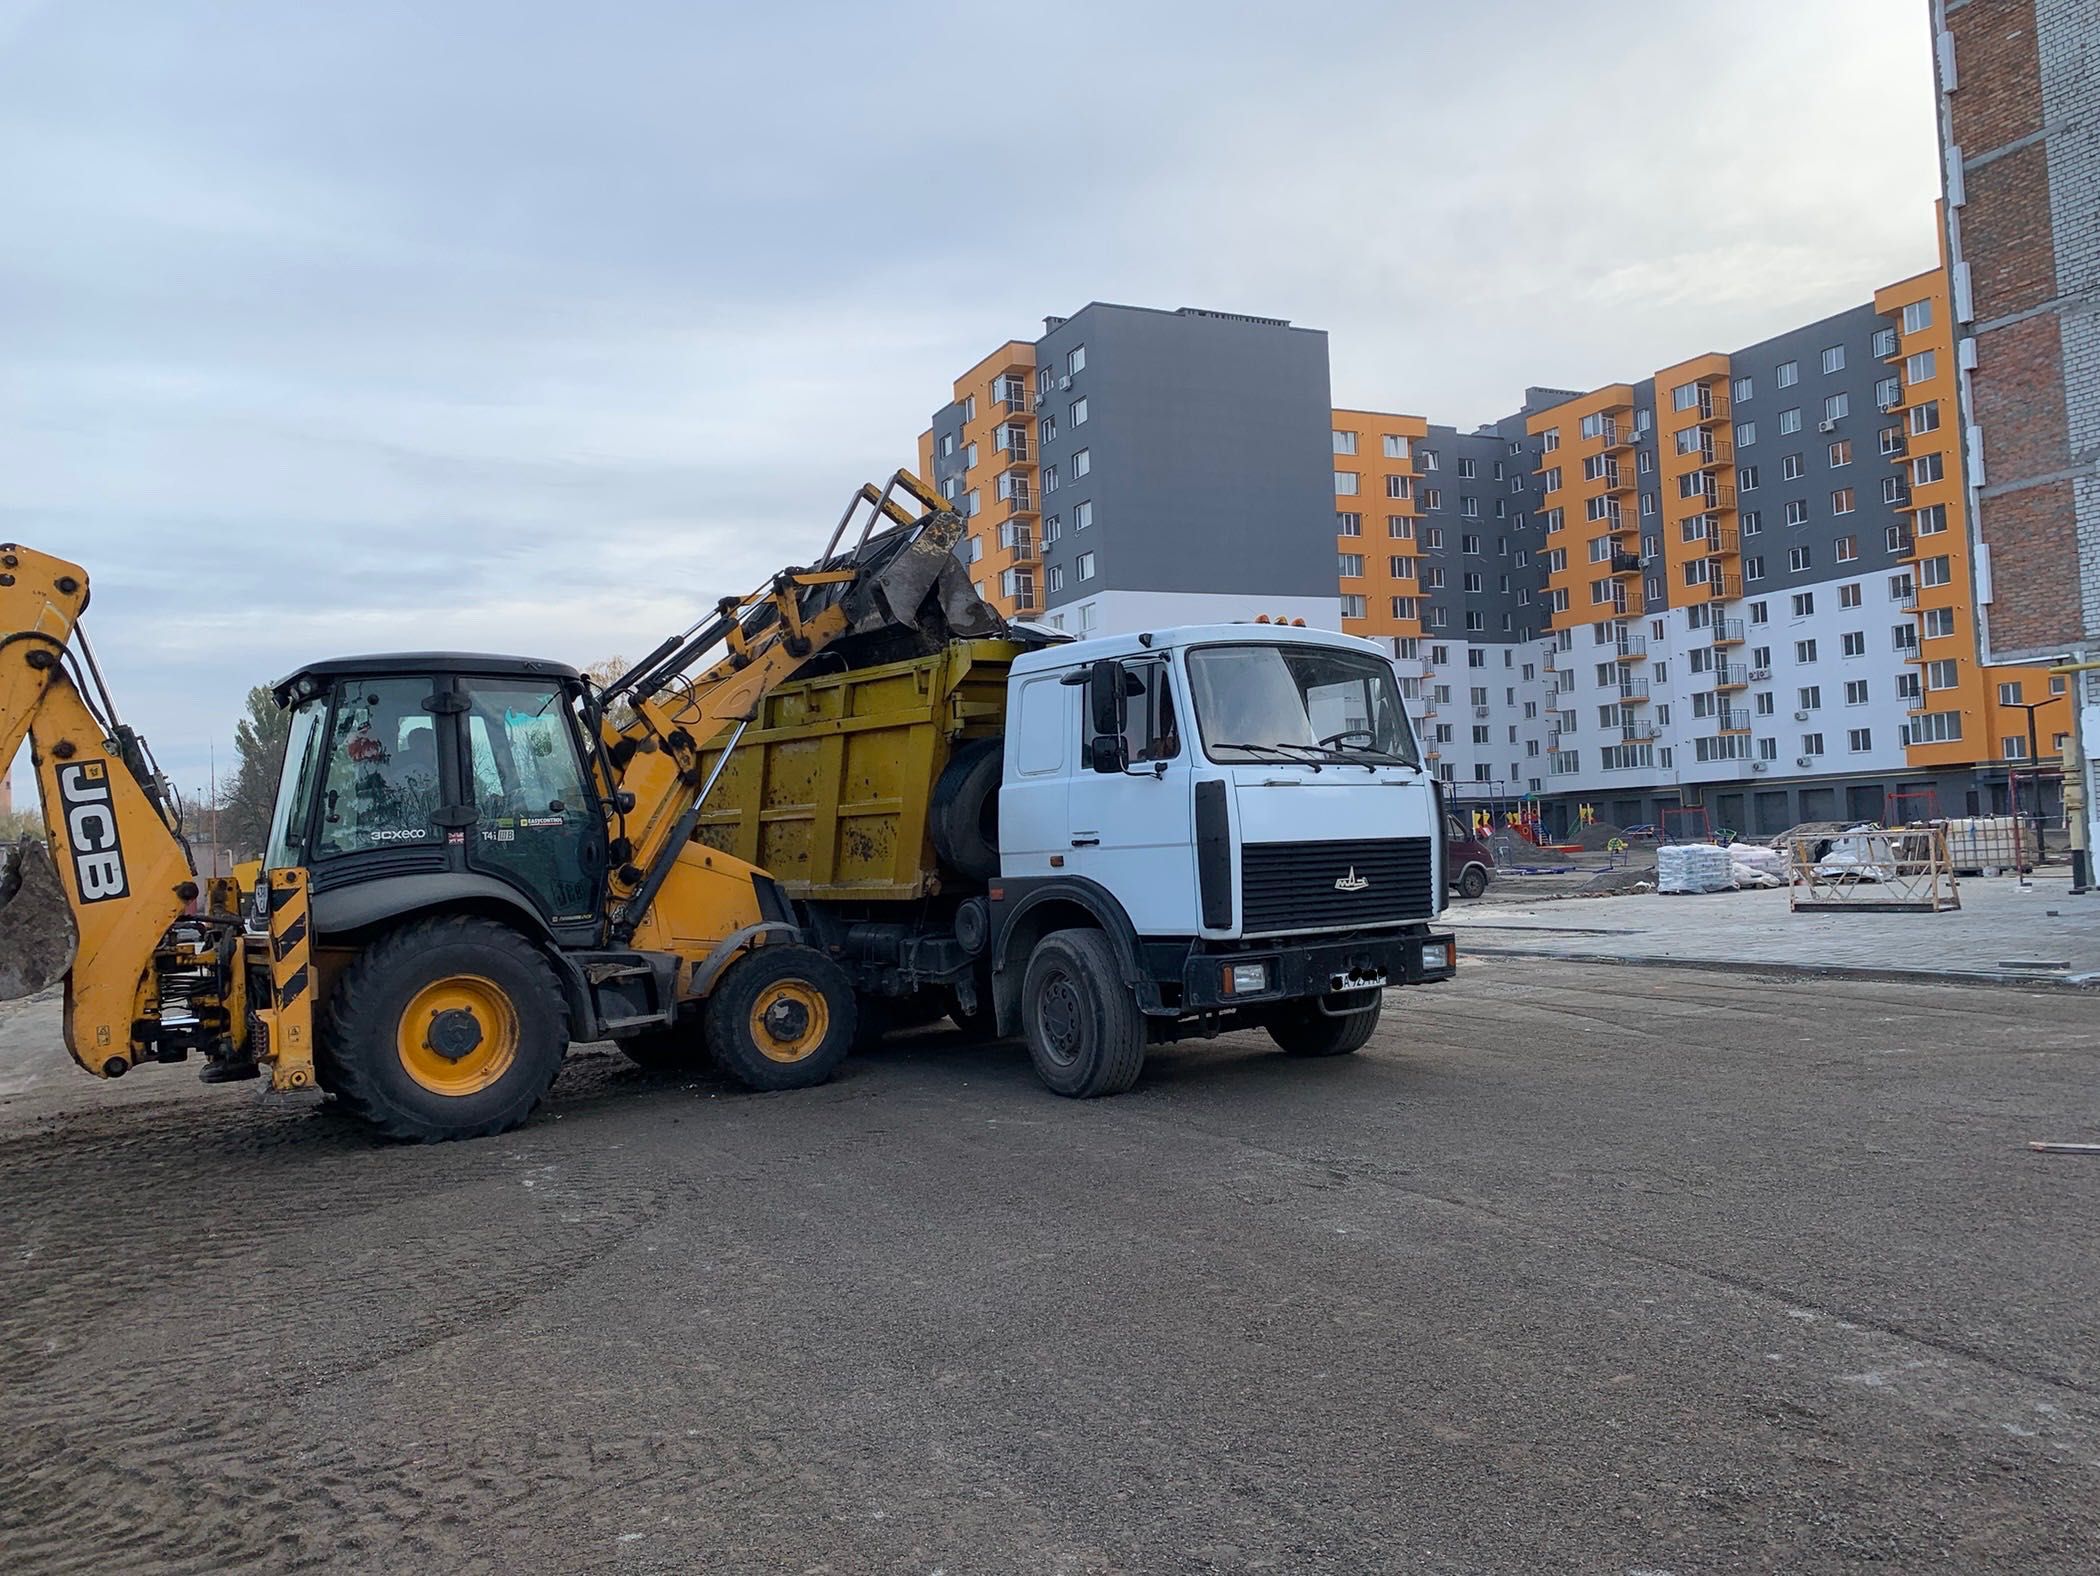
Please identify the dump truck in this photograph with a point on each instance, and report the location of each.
(473, 859)
(1102, 845)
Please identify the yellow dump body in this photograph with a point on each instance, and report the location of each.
(828, 789)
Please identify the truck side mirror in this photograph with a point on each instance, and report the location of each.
(1104, 753)
(1107, 704)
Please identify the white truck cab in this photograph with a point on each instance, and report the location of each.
(1209, 827)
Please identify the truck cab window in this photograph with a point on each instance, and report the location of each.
(1151, 730)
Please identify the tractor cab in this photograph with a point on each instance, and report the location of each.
(417, 777)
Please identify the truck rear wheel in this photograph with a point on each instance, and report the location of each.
(782, 1018)
(450, 1027)
(1085, 1032)
(1301, 1029)
(962, 816)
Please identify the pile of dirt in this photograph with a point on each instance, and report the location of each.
(1619, 883)
(1595, 837)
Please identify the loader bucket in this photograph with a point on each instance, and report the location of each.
(37, 934)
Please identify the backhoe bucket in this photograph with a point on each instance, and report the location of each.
(37, 934)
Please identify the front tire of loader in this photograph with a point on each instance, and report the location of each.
(451, 1027)
(783, 1017)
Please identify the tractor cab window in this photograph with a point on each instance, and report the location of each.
(536, 824)
(305, 746)
(381, 788)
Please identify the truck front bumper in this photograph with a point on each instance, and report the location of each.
(1315, 969)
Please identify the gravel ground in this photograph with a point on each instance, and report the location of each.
(1572, 1270)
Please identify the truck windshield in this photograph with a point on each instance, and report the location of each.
(1277, 702)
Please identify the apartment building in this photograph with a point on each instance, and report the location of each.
(1742, 583)
(1136, 467)
(2019, 135)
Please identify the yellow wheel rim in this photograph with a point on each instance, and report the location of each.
(458, 1035)
(789, 1020)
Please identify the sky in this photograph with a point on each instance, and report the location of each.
(536, 327)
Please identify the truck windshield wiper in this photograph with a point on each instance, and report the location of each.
(1354, 751)
(1282, 750)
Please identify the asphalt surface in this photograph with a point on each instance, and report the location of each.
(1576, 1270)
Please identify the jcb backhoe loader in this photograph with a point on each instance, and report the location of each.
(472, 860)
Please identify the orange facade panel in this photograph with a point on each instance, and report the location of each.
(1377, 514)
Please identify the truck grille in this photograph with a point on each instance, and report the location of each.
(1291, 886)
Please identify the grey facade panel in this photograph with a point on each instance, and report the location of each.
(1210, 466)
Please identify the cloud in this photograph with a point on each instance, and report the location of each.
(534, 327)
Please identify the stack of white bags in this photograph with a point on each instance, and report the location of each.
(1693, 867)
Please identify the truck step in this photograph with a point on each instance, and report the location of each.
(646, 1020)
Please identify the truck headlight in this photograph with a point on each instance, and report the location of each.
(1436, 955)
(1246, 979)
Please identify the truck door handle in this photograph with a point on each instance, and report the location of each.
(1086, 842)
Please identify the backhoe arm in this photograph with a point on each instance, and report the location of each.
(900, 575)
(95, 899)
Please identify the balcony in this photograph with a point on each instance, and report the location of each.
(1907, 599)
(1728, 631)
(1902, 543)
(1018, 540)
(1617, 478)
(1721, 587)
(1632, 691)
(1715, 448)
(1020, 500)
(1011, 395)
(1011, 447)
(1732, 719)
(1625, 563)
(1631, 648)
(1631, 602)
(1718, 538)
(1616, 435)
(1713, 400)
(1639, 732)
(1731, 676)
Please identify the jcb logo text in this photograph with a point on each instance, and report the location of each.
(91, 828)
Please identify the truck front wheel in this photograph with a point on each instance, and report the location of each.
(783, 1017)
(1085, 1032)
(1301, 1029)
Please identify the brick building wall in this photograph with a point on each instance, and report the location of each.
(2019, 85)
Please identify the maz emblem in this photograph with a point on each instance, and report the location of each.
(1352, 882)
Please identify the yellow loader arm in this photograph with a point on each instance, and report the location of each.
(94, 901)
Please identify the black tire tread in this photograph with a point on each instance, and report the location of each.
(354, 1082)
(1118, 1020)
(729, 1005)
(1303, 1030)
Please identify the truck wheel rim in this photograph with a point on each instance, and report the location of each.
(789, 1021)
(1059, 1015)
(458, 1035)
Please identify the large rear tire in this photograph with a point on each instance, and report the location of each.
(1301, 1029)
(783, 1017)
(962, 816)
(451, 1027)
(1086, 1034)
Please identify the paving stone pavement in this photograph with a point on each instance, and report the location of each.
(1999, 933)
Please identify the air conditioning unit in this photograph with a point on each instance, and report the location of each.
(1826, 425)
(1065, 382)
(1804, 760)
(1800, 716)
(1760, 766)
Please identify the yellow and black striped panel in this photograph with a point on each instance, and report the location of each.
(290, 1014)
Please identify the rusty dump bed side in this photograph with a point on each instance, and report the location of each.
(828, 789)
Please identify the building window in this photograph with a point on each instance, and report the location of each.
(1395, 446)
(1428, 459)
(1809, 697)
(1919, 368)
(1849, 592)
(1745, 434)
(1927, 468)
(1930, 520)
(1344, 442)
(1804, 651)
(1352, 565)
(1083, 462)
(1083, 516)
(1855, 692)
(1935, 727)
(1790, 420)
(1399, 527)
(1854, 642)
(1884, 343)
(1469, 507)
(1848, 550)
(1811, 744)
(1085, 570)
(1888, 393)
(1789, 374)
(1841, 453)
(1760, 613)
(1053, 528)
(1798, 558)
(1075, 360)
(1936, 571)
(1924, 418)
(1401, 568)
(1746, 478)
(1944, 674)
(1684, 396)
(1399, 486)
(1079, 420)
(1860, 740)
(1833, 359)
(1917, 316)
(1790, 468)
(2009, 694)
(1050, 478)
(1349, 525)
(1057, 577)
(1344, 482)
(2015, 749)
(1939, 622)
(1744, 388)
(1841, 501)
(1891, 441)
(1804, 604)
